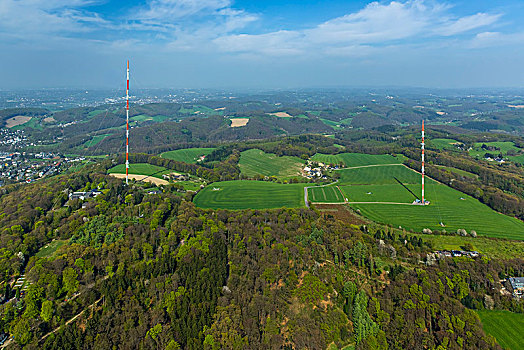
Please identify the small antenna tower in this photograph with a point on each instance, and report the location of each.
(127, 126)
(423, 200)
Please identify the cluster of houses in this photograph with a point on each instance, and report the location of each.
(28, 167)
(14, 139)
(316, 170)
(456, 253)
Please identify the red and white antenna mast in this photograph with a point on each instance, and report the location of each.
(423, 201)
(127, 126)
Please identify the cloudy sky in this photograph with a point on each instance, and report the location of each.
(261, 44)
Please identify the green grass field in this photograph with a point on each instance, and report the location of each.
(95, 140)
(385, 174)
(188, 155)
(50, 249)
(442, 144)
(256, 162)
(355, 159)
(328, 194)
(504, 147)
(507, 327)
(446, 207)
(380, 193)
(250, 195)
(140, 169)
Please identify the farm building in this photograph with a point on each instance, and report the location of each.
(516, 286)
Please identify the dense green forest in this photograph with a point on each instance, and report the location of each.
(152, 271)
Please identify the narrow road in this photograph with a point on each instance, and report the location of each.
(71, 320)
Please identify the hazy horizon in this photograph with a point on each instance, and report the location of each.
(225, 44)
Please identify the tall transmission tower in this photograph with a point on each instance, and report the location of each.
(127, 126)
(423, 200)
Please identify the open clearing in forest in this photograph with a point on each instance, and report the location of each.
(507, 327)
(281, 115)
(146, 178)
(238, 122)
(256, 162)
(141, 171)
(355, 159)
(250, 195)
(17, 120)
(187, 155)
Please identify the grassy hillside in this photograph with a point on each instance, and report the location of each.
(379, 175)
(355, 159)
(501, 147)
(442, 144)
(140, 169)
(250, 195)
(256, 162)
(188, 155)
(507, 327)
(446, 207)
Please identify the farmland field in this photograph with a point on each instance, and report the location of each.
(442, 143)
(503, 147)
(327, 194)
(355, 159)
(140, 169)
(507, 327)
(385, 174)
(454, 209)
(188, 155)
(250, 195)
(446, 207)
(381, 193)
(256, 162)
(95, 140)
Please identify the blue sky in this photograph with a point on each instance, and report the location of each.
(261, 44)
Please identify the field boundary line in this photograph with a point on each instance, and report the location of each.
(380, 203)
(368, 166)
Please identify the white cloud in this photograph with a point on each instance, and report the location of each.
(468, 23)
(491, 39)
(377, 25)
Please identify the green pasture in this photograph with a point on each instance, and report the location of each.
(145, 117)
(256, 162)
(355, 159)
(446, 207)
(327, 194)
(95, 113)
(140, 169)
(507, 327)
(187, 155)
(517, 159)
(95, 140)
(442, 144)
(381, 193)
(504, 147)
(250, 195)
(385, 174)
(49, 249)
